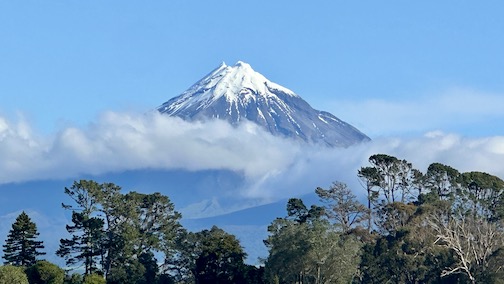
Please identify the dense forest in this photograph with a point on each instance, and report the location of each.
(437, 226)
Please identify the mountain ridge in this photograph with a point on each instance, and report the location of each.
(237, 93)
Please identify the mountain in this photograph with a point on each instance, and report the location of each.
(237, 93)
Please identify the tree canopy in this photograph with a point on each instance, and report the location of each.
(402, 226)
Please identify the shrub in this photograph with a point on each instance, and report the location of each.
(45, 272)
(94, 279)
(12, 275)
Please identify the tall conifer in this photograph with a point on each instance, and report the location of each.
(21, 247)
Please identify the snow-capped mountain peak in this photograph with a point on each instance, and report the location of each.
(235, 93)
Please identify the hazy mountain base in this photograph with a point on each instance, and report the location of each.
(241, 217)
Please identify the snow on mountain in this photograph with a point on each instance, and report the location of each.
(237, 93)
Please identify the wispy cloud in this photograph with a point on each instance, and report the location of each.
(476, 113)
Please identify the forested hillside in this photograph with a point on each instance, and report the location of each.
(436, 226)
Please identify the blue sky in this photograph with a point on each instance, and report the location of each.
(64, 62)
(423, 79)
(78, 77)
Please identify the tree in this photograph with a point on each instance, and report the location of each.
(115, 232)
(74, 278)
(208, 256)
(135, 271)
(393, 217)
(153, 220)
(311, 251)
(44, 272)
(130, 272)
(342, 206)
(21, 247)
(473, 240)
(109, 205)
(297, 211)
(179, 260)
(404, 252)
(394, 178)
(443, 180)
(451, 232)
(94, 278)
(219, 257)
(482, 195)
(10, 274)
(146, 223)
(86, 243)
(370, 179)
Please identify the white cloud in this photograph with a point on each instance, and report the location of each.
(319, 167)
(120, 141)
(274, 167)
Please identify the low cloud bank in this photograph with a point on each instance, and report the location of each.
(319, 167)
(273, 167)
(121, 141)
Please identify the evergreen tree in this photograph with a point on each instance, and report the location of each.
(21, 247)
(86, 244)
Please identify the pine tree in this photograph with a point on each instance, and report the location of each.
(21, 247)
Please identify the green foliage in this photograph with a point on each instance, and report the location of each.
(136, 271)
(482, 194)
(21, 247)
(44, 272)
(394, 178)
(94, 278)
(86, 242)
(439, 227)
(208, 256)
(441, 180)
(219, 257)
(342, 206)
(118, 233)
(152, 221)
(310, 252)
(75, 278)
(451, 233)
(10, 274)
(399, 259)
(297, 211)
(393, 217)
(253, 275)
(131, 272)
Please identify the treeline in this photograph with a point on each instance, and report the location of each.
(123, 238)
(441, 226)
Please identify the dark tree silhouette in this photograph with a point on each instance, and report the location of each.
(21, 247)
